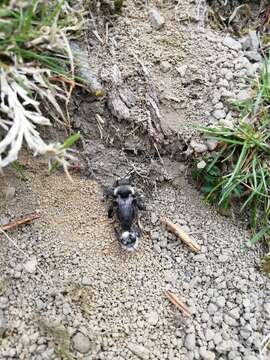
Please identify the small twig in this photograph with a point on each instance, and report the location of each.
(98, 36)
(178, 303)
(107, 33)
(100, 121)
(146, 72)
(160, 158)
(69, 81)
(23, 221)
(181, 234)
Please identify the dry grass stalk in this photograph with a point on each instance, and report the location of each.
(23, 221)
(178, 303)
(181, 234)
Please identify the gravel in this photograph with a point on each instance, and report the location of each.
(219, 114)
(139, 350)
(31, 265)
(190, 342)
(232, 43)
(165, 66)
(152, 318)
(156, 19)
(81, 343)
(198, 147)
(3, 323)
(253, 56)
(111, 304)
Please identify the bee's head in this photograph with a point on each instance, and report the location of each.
(124, 191)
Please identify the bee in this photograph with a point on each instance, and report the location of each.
(125, 205)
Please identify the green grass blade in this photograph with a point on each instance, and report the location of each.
(71, 140)
(239, 164)
(257, 237)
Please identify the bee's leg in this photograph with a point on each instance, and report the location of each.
(109, 192)
(111, 211)
(138, 202)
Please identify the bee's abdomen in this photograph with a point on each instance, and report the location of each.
(126, 215)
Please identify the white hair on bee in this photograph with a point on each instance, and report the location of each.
(125, 238)
(126, 188)
(125, 235)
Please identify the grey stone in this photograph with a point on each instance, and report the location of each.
(209, 334)
(39, 304)
(230, 321)
(253, 56)
(212, 309)
(223, 258)
(87, 280)
(220, 301)
(152, 318)
(182, 70)
(48, 354)
(139, 350)
(190, 342)
(219, 114)
(207, 355)
(165, 66)
(252, 69)
(232, 355)
(3, 323)
(9, 192)
(217, 338)
(223, 83)
(205, 317)
(234, 313)
(31, 265)
(232, 43)
(201, 164)
(219, 106)
(245, 333)
(154, 219)
(163, 243)
(25, 340)
(81, 343)
(243, 94)
(4, 220)
(226, 93)
(198, 147)
(218, 318)
(170, 276)
(157, 248)
(246, 303)
(154, 234)
(266, 308)
(250, 357)
(241, 63)
(245, 42)
(156, 19)
(200, 258)
(66, 309)
(12, 353)
(3, 302)
(229, 75)
(254, 42)
(226, 346)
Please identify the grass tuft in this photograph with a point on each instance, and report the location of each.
(34, 52)
(239, 171)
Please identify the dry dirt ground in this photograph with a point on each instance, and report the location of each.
(67, 290)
